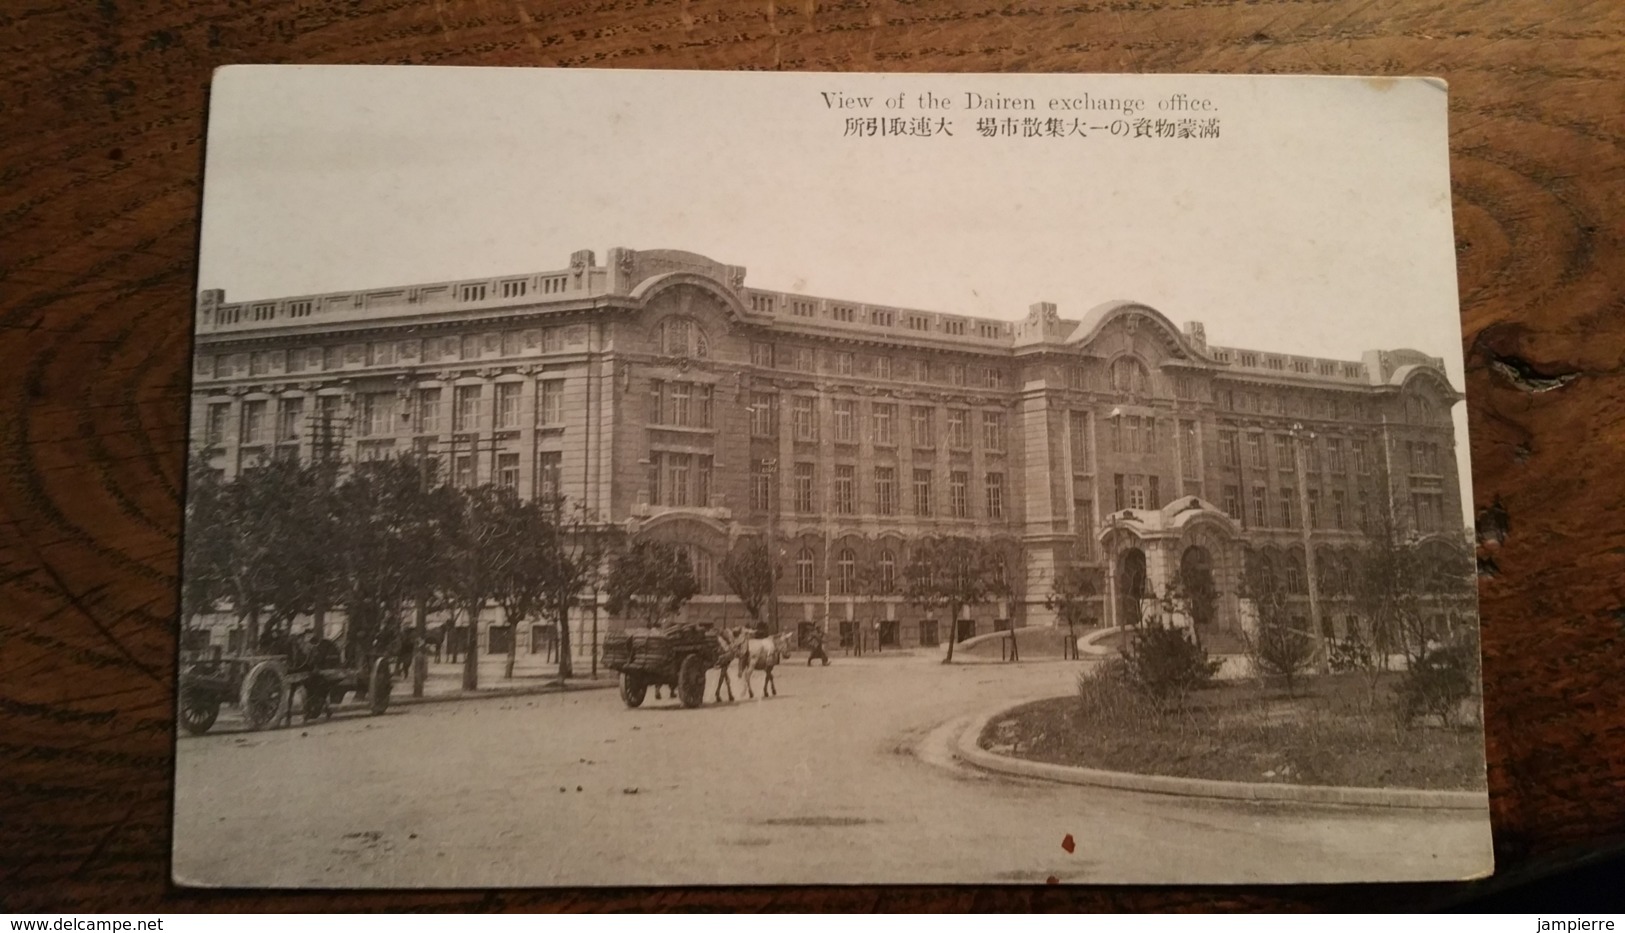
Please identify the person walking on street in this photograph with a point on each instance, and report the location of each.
(815, 641)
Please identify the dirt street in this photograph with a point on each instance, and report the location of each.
(845, 777)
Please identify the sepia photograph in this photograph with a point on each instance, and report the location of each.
(616, 478)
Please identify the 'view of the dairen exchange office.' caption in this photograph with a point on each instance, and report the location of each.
(666, 396)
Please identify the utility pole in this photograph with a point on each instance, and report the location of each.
(1299, 435)
(770, 468)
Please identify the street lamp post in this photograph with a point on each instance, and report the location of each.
(770, 469)
(1299, 435)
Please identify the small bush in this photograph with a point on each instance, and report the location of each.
(1279, 650)
(1437, 683)
(1350, 654)
(1163, 664)
(1110, 698)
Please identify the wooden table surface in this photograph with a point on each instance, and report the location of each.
(103, 113)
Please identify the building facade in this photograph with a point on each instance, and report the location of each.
(667, 396)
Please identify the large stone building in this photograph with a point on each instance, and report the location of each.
(671, 398)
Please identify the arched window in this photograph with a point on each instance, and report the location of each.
(888, 571)
(804, 572)
(681, 336)
(846, 566)
(1130, 377)
(1294, 574)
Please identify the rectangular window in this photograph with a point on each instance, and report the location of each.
(804, 418)
(1153, 496)
(657, 401)
(1261, 507)
(883, 367)
(552, 339)
(426, 419)
(508, 404)
(549, 468)
(288, 414)
(682, 413)
(1339, 509)
(657, 467)
(764, 414)
(1311, 455)
(1314, 508)
(958, 432)
(508, 471)
(1119, 493)
(1188, 447)
(806, 360)
(1362, 463)
(1136, 491)
(993, 378)
(463, 471)
(467, 415)
(805, 502)
(253, 428)
(885, 422)
(922, 492)
(703, 464)
(845, 491)
(761, 486)
(886, 490)
(1283, 454)
(678, 466)
(995, 496)
(761, 354)
(1284, 511)
(1255, 451)
(1232, 502)
(843, 363)
(1334, 454)
(1083, 520)
(214, 424)
(845, 420)
(1364, 510)
(920, 432)
(1080, 441)
(702, 406)
(956, 373)
(958, 494)
(993, 431)
(1229, 448)
(551, 410)
(377, 414)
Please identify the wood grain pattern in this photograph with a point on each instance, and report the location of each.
(103, 110)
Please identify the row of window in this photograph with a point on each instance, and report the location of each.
(464, 348)
(680, 479)
(680, 404)
(879, 366)
(1320, 454)
(883, 422)
(878, 317)
(886, 497)
(382, 414)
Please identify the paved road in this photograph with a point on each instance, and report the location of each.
(845, 777)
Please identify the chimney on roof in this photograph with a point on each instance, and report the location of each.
(1196, 333)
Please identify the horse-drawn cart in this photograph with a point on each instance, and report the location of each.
(676, 656)
(264, 686)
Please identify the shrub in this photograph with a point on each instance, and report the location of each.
(1163, 664)
(1109, 696)
(1277, 649)
(1350, 654)
(1437, 683)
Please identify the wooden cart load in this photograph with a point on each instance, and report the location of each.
(676, 656)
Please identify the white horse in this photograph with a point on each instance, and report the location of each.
(732, 647)
(761, 654)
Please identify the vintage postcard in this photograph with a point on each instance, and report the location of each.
(663, 478)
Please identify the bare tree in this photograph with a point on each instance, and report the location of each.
(1071, 597)
(650, 581)
(752, 575)
(951, 573)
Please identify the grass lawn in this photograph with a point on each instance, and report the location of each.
(1336, 731)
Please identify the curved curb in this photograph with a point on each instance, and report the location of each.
(967, 749)
(1090, 647)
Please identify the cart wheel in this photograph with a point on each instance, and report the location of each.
(633, 690)
(691, 682)
(199, 713)
(378, 688)
(265, 695)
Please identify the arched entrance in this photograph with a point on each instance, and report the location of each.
(1131, 585)
(1200, 592)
